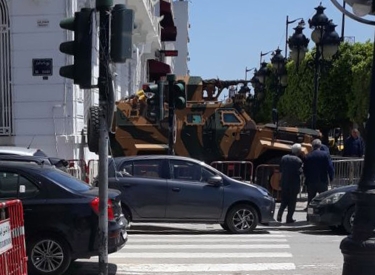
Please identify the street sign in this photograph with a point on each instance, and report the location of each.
(42, 67)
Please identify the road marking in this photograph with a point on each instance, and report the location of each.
(177, 255)
(157, 240)
(202, 246)
(199, 268)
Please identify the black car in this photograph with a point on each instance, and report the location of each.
(180, 189)
(334, 208)
(61, 215)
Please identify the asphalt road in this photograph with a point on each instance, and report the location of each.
(183, 249)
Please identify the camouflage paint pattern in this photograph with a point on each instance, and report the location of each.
(208, 129)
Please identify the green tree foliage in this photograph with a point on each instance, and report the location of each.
(343, 94)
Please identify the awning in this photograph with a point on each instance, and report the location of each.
(168, 30)
(157, 69)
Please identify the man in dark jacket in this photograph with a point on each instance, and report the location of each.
(354, 145)
(291, 170)
(317, 168)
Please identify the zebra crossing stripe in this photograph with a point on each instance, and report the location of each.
(157, 240)
(178, 255)
(204, 246)
(200, 268)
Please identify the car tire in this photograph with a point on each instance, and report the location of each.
(241, 219)
(224, 226)
(337, 228)
(93, 129)
(126, 213)
(53, 247)
(348, 220)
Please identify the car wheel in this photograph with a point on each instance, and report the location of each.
(348, 220)
(48, 255)
(241, 219)
(93, 129)
(337, 228)
(224, 226)
(126, 213)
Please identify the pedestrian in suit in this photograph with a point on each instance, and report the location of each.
(317, 168)
(291, 170)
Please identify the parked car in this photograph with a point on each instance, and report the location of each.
(26, 151)
(180, 189)
(61, 215)
(334, 208)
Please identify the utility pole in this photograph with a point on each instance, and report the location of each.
(105, 98)
(171, 78)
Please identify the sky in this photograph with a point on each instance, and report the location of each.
(228, 36)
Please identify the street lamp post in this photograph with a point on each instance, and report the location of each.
(278, 64)
(287, 22)
(298, 44)
(359, 247)
(248, 70)
(326, 41)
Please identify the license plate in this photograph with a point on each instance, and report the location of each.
(310, 211)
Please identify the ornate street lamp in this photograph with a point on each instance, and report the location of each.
(359, 247)
(298, 44)
(302, 22)
(262, 73)
(326, 42)
(278, 65)
(248, 70)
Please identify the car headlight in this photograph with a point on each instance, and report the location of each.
(264, 191)
(333, 198)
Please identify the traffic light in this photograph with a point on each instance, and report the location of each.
(80, 48)
(179, 95)
(155, 100)
(122, 27)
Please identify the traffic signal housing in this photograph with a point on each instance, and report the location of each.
(122, 26)
(179, 95)
(81, 48)
(155, 100)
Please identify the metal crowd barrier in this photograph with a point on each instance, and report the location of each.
(13, 258)
(92, 170)
(240, 170)
(77, 168)
(347, 171)
(268, 176)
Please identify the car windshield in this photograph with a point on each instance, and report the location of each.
(67, 180)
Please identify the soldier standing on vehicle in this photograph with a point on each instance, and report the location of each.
(291, 170)
(317, 168)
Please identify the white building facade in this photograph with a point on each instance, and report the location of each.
(181, 13)
(41, 109)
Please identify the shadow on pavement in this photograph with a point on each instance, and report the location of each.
(168, 230)
(89, 268)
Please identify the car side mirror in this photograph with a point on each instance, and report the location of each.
(215, 180)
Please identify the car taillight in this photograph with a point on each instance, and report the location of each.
(95, 206)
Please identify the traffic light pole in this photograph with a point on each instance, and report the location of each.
(171, 78)
(105, 98)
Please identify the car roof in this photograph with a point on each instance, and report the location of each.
(19, 150)
(24, 165)
(154, 157)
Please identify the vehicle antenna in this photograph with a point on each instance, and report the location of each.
(31, 142)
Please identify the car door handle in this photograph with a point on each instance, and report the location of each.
(176, 189)
(27, 210)
(126, 184)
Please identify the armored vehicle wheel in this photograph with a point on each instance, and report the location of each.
(93, 129)
(242, 219)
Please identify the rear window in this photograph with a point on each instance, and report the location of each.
(66, 180)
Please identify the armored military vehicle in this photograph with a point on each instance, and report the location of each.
(207, 129)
